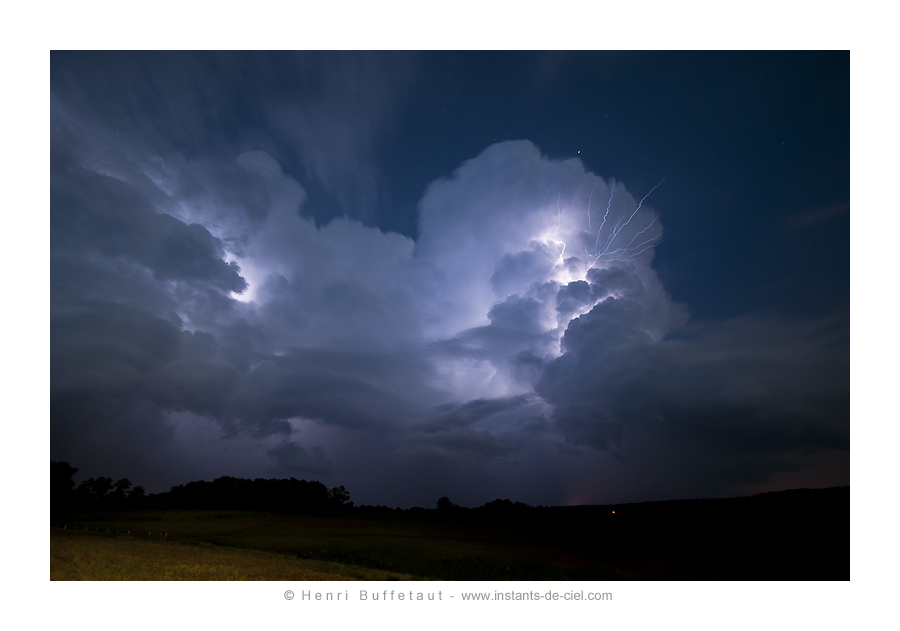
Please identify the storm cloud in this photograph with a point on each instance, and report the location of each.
(199, 298)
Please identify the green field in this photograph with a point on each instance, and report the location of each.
(791, 535)
(210, 545)
(97, 558)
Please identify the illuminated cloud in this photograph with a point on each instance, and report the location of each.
(521, 343)
(474, 340)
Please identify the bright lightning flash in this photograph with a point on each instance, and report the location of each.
(610, 242)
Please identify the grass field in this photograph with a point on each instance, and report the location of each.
(93, 557)
(800, 535)
(207, 545)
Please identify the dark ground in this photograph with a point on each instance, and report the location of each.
(790, 535)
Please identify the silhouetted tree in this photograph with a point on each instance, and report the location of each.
(284, 496)
(339, 497)
(504, 507)
(137, 498)
(116, 499)
(122, 486)
(444, 503)
(291, 496)
(62, 486)
(92, 492)
(102, 487)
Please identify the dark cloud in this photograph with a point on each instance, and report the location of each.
(462, 440)
(723, 403)
(482, 428)
(323, 112)
(102, 349)
(463, 415)
(208, 317)
(335, 117)
(103, 214)
(298, 459)
(345, 388)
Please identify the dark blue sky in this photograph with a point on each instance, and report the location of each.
(426, 312)
(747, 142)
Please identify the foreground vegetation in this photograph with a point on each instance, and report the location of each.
(792, 535)
(169, 545)
(237, 529)
(94, 557)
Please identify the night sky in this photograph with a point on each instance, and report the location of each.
(558, 278)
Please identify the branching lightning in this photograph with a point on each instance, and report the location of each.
(616, 232)
(589, 208)
(628, 251)
(613, 248)
(612, 190)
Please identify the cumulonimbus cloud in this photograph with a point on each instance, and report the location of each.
(526, 312)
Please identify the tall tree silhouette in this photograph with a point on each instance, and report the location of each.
(62, 486)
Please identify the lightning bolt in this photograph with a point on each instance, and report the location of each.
(612, 191)
(628, 251)
(589, 209)
(625, 252)
(634, 238)
(554, 248)
(612, 235)
(615, 233)
(652, 245)
(552, 256)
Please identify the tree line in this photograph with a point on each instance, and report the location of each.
(226, 493)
